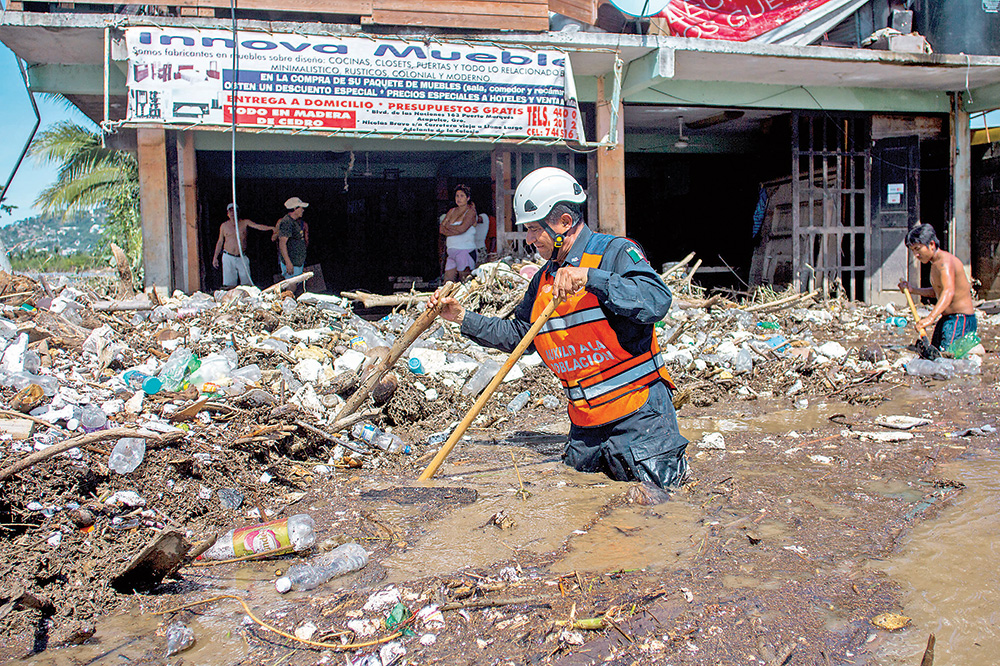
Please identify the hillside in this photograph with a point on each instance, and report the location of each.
(77, 233)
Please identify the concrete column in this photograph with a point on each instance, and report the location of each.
(610, 166)
(154, 207)
(960, 231)
(187, 176)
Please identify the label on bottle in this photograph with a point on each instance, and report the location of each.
(262, 538)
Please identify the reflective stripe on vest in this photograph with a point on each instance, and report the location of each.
(602, 380)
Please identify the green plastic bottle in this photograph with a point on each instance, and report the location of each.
(960, 348)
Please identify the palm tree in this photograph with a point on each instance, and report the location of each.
(92, 175)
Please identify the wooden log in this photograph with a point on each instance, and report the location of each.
(80, 441)
(122, 306)
(390, 301)
(781, 302)
(279, 287)
(401, 345)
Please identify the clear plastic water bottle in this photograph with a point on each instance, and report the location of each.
(175, 369)
(339, 561)
(295, 533)
(179, 638)
(140, 381)
(550, 402)
(519, 401)
(365, 432)
(483, 376)
(388, 442)
(127, 454)
(93, 418)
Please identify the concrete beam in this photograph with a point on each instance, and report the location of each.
(756, 95)
(75, 80)
(649, 70)
(154, 208)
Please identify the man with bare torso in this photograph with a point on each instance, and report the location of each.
(954, 312)
(235, 268)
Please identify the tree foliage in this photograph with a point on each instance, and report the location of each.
(90, 174)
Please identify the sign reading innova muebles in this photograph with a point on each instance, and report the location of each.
(351, 84)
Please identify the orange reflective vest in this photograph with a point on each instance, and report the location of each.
(603, 382)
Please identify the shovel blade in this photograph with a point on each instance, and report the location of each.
(927, 350)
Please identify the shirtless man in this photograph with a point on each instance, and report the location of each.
(234, 268)
(949, 285)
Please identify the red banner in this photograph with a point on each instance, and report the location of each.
(732, 20)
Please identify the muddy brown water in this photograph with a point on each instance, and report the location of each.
(568, 513)
(948, 568)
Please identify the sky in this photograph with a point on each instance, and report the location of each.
(16, 115)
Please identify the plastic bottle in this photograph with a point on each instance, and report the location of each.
(416, 367)
(179, 638)
(388, 442)
(339, 561)
(137, 380)
(295, 533)
(215, 369)
(550, 402)
(365, 432)
(898, 322)
(743, 362)
(960, 348)
(767, 325)
(486, 372)
(175, 369)
(127, 454)
(519, 401)
(93, 418)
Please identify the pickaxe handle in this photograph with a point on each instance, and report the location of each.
(913, 311)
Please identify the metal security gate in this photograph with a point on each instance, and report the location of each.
(509, 167)
(831, 223)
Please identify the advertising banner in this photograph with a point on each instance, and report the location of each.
(358, 85)
(732, 20)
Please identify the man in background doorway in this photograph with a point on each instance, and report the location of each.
(235, 265)
(292, 238)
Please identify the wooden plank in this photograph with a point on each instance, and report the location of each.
(477, 7)
(16, 428)
(610, 165)
(154, 207)
(526, 23)
(580, 10)
(14, 6)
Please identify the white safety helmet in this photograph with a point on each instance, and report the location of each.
(542, 189)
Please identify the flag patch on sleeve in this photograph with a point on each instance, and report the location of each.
(633, 252)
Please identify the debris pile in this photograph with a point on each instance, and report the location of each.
(131, 421)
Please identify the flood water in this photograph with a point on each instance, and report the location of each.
(951, 581)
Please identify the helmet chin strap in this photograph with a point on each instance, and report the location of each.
(558, 240)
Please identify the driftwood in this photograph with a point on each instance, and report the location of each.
(676, 267)
(83, 440)
(122, 306)
(279, 287)
(126, 289)
(390, 301)
(340, 424)
(422, 323)
(788, 301)
(706, 303)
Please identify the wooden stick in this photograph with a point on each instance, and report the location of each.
(125, 286)
(278, 287)
(379, 300)
(121, 306)
(780, 301)
(401, 345)
(488, 391)
(690, 275)
(676, 267)
(82, 440)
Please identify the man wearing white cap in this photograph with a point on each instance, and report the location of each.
(599, 342)
(235, 265)
(292, 238)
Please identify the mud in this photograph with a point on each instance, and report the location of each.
(780, 551)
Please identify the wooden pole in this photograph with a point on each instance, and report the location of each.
(279, 286)
(488, 391)
(422, 323)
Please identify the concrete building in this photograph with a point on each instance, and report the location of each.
(804, 161)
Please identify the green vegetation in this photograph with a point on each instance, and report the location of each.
(43, 261)
(91, 176)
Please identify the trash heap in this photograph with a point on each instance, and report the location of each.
(139, 418)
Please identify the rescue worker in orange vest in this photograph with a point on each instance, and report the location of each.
(600, 341)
